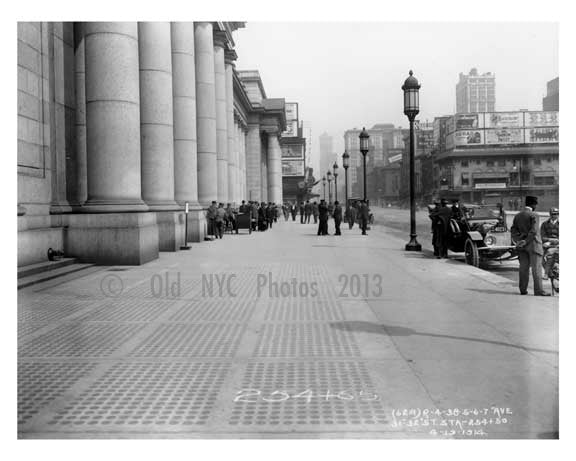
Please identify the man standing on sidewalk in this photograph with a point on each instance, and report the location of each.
(323, 214)
(550, 233)
(315, 212)
(307, 211)
(337, 217)
(363, 216)
(525, 234)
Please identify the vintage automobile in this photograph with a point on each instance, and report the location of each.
(481, 233)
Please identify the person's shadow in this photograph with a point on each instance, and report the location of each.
(391, 330)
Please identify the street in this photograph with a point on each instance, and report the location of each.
(285, 334)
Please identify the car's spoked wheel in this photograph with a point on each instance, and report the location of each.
(471, 253)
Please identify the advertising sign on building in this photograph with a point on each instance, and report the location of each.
(292, 167)
(293, 151)
(541, 119)
(504, 136)
(504, 119)
(469, 137)
(291, 110)
(466, 122)
(541, 135)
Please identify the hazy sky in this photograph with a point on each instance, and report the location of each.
(346, 75)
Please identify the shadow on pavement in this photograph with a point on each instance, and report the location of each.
(494, 292)
(391, 330)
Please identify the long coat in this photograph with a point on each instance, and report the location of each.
(525, 227)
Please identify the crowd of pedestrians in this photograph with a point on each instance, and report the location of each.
(261, 216)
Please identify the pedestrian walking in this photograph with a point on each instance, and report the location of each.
(337, 214)
(211, 218)
(307, 211)
(262, 219)
(315, 212)
(293, 211)
(363, 216)
(526, 234)
(323, 218)
(254, 214)
(441, 219)
(220, 220)
(301, 209)
(352, 215)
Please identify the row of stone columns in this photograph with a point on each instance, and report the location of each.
(158, 128)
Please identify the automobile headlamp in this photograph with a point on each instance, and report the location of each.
(490, 240)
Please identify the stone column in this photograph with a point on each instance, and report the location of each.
(230, 56)
(221, 116)
(113, 117)
(156, 131)
(184, 105)
(205, 113)
(80, 114)
(253, 166)
(110, 235)
(274, 169)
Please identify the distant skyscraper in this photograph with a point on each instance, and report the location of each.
(475, 92)
(327, 155)
(552, 99)
(311, 157)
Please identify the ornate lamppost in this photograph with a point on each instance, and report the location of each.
(346, 164)
(324, 186)
(335, 169)
(411, 109)
(329, 177)
(364, 147)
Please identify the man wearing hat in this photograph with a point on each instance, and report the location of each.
(525, 233)
(550, 233)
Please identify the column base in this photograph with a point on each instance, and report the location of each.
(170, 230)
(116, 206)
(197, 225)
(112, 238)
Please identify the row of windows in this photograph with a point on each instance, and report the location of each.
(537, 180)
(503, 162)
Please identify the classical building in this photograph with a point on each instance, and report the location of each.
(476, 92)
(552, 99)
(120, 125)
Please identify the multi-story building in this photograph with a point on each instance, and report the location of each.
(327, 154)
(385, 140)
(475, 92)
(500, 157)
(293, 146)
(122, 126)
(552, 99)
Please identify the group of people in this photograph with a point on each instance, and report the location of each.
(262, 215)
(440, 215)
(323, 211)
(532, 242)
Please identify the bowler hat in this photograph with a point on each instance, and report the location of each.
(531, 200)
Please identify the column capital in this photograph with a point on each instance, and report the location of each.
(220, 39)
(230, 56)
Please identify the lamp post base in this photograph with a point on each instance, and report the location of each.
(413, 244)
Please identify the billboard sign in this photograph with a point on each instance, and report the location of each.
(293, 151)
(504, 119)
(504, 136)
(541, 135)
(292, 168)
(542, 119)
(291, 111)
(466, 122)
(469, 137)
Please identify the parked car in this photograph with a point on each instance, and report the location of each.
(481, 233)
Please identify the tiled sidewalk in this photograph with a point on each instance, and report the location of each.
(301, 336)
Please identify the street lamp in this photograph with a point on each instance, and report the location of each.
(518, 171)
(411, 109)
(335, 169)
(364, 147)
(324, 186)
(329, 176)
(346, 164)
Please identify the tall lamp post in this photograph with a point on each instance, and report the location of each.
(345, 164)
(364, 147)
(411, 109)
(329, 177)
(324, 186)
(335, 169)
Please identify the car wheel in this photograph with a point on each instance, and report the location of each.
(471, 253)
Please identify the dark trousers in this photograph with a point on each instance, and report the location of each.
(307, 218)
(293, 216)
(301, 218)
(219, 229)
(315, 219)
(351, 222)
(363, 225)
(337, 226)
(323, 227)
(527, 260)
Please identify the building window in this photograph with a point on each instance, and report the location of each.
(544, 180)
(501, 162)
(478, 162)
(464, 163)
(465, 180)
(489, 162)
(537, 161)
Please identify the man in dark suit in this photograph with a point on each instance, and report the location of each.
(323, 215)
(337, 214)
(363, 216)
(525, 233)
(441, 219)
